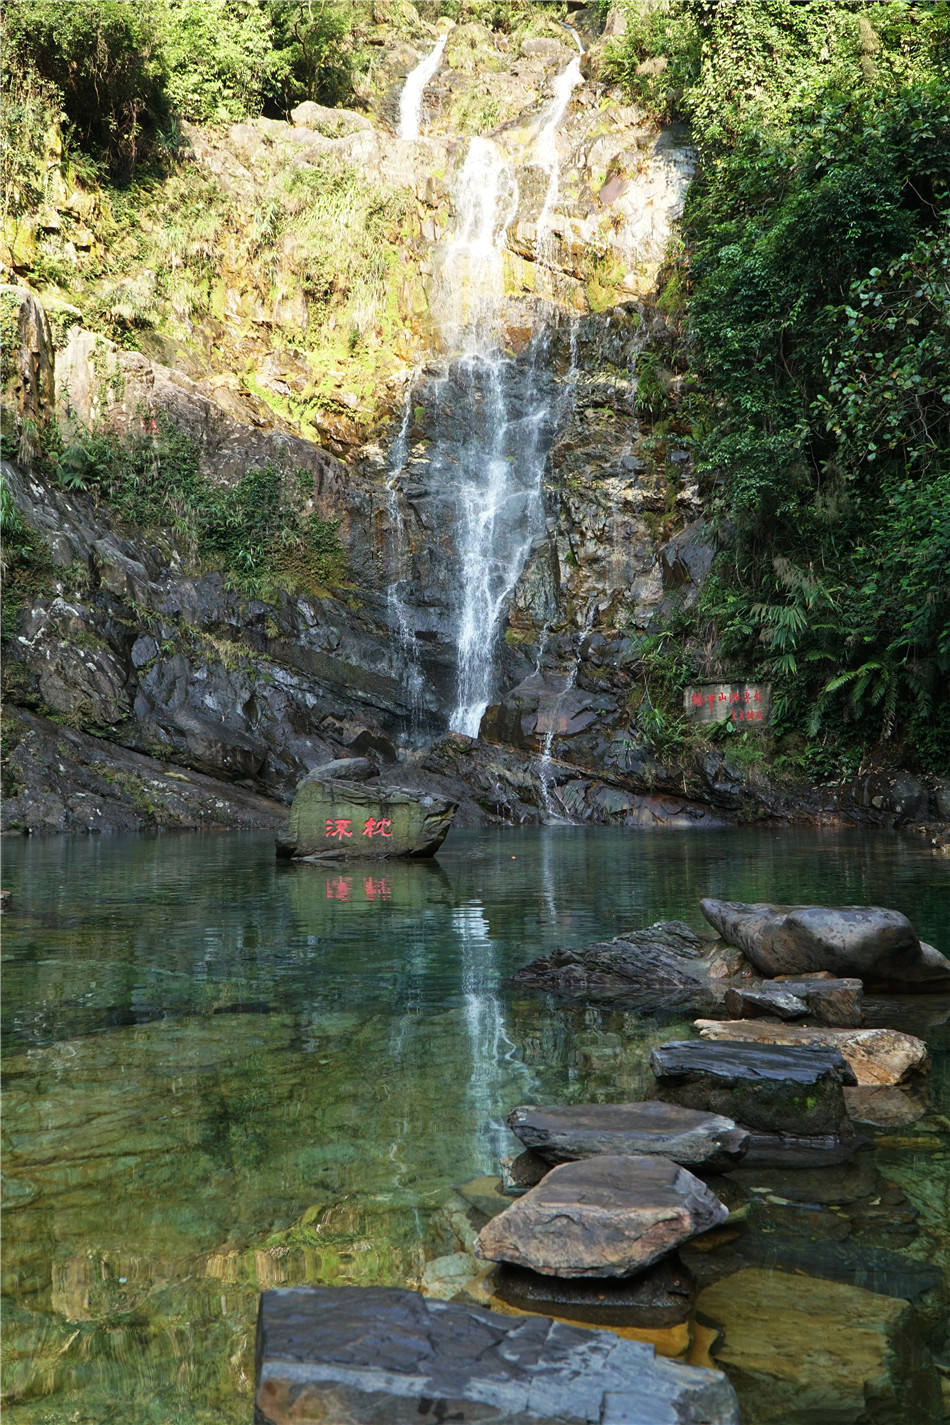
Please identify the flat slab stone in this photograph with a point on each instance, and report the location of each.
(381, 1356)
(607, 1216)
(775, 1088)
(688, 1136)
(870, 942)
(667, 965)
(335, 817)
(825, 998)
(876, 1056)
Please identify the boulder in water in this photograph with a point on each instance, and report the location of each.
(825, 998)
(878, 946)
(666, 965)
(334, 817)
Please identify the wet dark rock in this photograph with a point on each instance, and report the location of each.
(693, 1139)
(775, 1088)
(344, 769)
(378, 1354)
(667, 964)
(332, 818)
(606, 1216)
(662, 1295)
(826, 999)
(875, 945)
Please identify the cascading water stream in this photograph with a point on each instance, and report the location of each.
(400, 623)
(545, 150)
(492, 418)
(410, 100)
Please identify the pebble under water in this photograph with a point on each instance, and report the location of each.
(224, 1074)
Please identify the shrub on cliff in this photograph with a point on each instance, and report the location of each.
(819, 337)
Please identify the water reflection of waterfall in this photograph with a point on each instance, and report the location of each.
(493, 1053)
(410, 101)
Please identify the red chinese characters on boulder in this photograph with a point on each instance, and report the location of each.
(339, 827)
(383, 827)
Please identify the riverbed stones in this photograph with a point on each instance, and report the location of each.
(667, 964)
(334, 817)
(383, 1356)
(826, 999)
(776, 1088)
(692, 1138)
(877, 945)
(608, 1216)
(876, 1056)
(806, 1351)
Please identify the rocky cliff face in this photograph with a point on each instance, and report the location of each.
(388, 399)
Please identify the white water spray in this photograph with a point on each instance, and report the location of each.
(410, 100)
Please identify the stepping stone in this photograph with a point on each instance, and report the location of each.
(773, 1088)
(691, 1138)
(876, 945)
(826, 999)
(382, 1356)
(660, 1296)
(607, 1216)
(876, 1056)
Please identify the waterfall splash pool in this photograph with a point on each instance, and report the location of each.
(224, 1074)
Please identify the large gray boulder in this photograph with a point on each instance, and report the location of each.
(692, 1138)
(381, 1356)
(334, 817)
(876, 945)
(607, 1216)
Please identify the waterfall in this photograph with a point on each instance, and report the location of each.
(490, 421)
(545, 762)
(410, 100)
(545, 149)
(400, 625)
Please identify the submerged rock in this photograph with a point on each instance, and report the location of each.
(777, 1088)
(667, 964)
(583, 1130)
(877, 945)
(332, 817)
(877, 1056)
(808, 1351)
(381, 1354)
(608, 1216)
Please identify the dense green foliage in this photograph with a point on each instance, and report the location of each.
(253, 529)
(818, 335)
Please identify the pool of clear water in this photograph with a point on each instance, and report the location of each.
(224, 1073)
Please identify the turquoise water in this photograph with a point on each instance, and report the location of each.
(223, 1073)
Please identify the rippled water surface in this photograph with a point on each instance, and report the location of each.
(223, 1073)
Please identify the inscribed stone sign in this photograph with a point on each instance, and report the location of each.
(745, 703)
